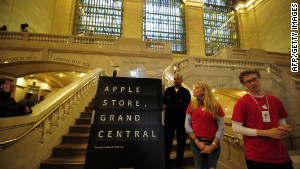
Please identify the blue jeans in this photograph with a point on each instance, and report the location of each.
(204, 160)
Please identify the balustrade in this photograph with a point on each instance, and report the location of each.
(63, 111)
(84, 41)
(193, 63)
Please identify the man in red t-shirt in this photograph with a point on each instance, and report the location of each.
(261, 119)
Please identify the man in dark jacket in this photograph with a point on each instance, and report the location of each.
(176, 98)
(28, 100)
(8, 106)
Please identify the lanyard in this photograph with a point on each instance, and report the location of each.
(258, 104)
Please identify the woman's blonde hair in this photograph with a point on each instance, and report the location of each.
(210, 103)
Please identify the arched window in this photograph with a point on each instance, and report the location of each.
(164, 21)
(220, 26)
(100, 17)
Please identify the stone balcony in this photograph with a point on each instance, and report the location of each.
(103, 45)
(84, 51)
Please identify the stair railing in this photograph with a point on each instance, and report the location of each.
(55, 107)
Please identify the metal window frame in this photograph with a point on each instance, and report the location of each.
(167, 23)
(220, 26)
(108, 11)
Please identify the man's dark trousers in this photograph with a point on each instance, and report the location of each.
(181, 142)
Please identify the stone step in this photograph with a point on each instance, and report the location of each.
(91, 104)
(76, 162)
(83, 121)
(80, 128)
(75, 138)
(89, 109)
(66, 150)
(85, 115)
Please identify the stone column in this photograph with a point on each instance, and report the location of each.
(241, 17)
(247, 26)
(195, 41)
(133, 19)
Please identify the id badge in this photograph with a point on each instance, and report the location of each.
(266, 116)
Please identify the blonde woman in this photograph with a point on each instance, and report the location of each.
(204, 124)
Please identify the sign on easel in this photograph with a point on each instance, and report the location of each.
(126, 130)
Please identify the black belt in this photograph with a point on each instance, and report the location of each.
(206, 140)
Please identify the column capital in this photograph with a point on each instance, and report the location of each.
(194, 3)
(140, 1)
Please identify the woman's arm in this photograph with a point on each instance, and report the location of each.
(220, 132)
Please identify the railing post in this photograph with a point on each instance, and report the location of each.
(61, 113)
(42, 132)
(48, 123)
(56, 119)
(25, 36)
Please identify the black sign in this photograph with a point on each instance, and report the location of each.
(127, 131)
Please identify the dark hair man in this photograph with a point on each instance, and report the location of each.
(3, 28)
(261, 119)
(8, 105)
(176, 98)
(24, 27)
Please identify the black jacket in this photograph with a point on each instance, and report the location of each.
(9, 107)
(176, 105)
(29, 102)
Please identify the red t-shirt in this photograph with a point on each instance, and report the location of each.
(203, 123)
(257, 148)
